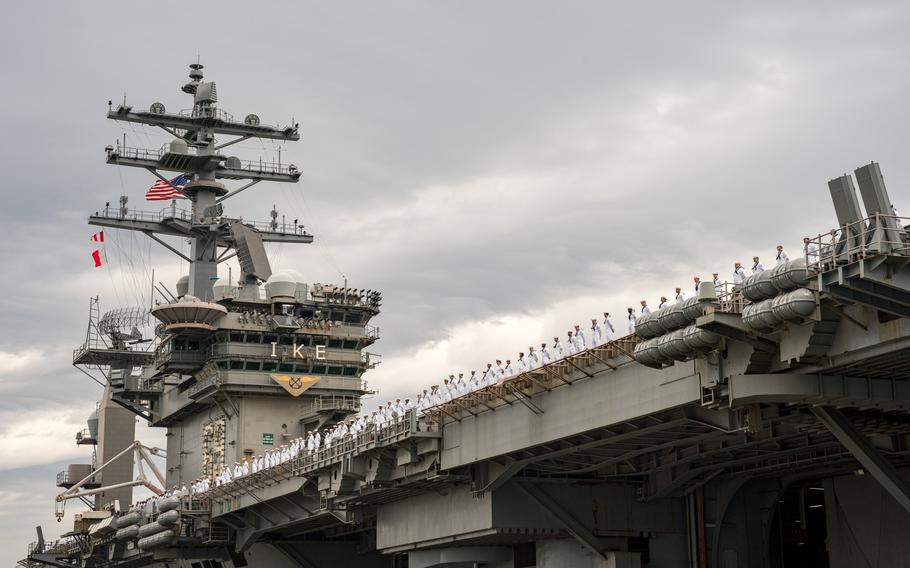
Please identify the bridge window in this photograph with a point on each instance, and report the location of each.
(333, 370)
(236, 365)
(302, 368)
(350, 344)
(269, 366)
(335, 343)
(353, 317)
(319, 369)
(251, 366)
(286, 368)
(237, 336)
(269, 338)
(350, 371)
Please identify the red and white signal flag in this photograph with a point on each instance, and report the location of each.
(99, 257)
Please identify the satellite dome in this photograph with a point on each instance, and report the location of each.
(223, 289)
(281, 285)
(183, 286)
(179, 146)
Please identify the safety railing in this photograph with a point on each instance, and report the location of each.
(167, 213)
(148, 154)
(333, 402)
(729, 298)
(870, 237)
(206, 112)
(212, 382)
(85, 436)
(64, 478)
(277, 228)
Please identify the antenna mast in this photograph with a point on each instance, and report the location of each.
(195, 153)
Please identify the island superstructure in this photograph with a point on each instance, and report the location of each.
(755, 425)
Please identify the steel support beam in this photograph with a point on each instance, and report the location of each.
(575, 528)
(862, 450)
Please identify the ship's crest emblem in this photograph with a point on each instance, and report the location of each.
(295, 384)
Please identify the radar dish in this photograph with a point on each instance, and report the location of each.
(251, 119)
(123, 323)
(157, 108)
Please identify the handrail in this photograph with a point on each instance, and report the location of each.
(257, 166)
(875, 235)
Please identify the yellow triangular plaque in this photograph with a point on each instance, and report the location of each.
(295, 384)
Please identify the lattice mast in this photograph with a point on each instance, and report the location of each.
(197, 153)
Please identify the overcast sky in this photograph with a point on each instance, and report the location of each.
(500, 170)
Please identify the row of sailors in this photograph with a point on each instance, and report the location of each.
(149, 503)
(810, 250)
(739, 275)
(307, 445)
(680, 296)
(454, 387)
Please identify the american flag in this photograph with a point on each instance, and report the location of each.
(163, 191)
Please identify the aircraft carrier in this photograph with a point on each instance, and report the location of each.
(762, 424)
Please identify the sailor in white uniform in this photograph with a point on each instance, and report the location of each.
(558, 351)
(544, 354)
(509, 369)
(580, 342)
(632, 318)
(609, 330)
(782, 256)
(757, 266)
(680, 295)
(597, 336)
(717, 284)
(522, 363)
(462, 386)
(663, 303)
(739, 274)
(570, 343)
(697, 281)
(533, 359)
(487, 376)
(810, 250)
(644, 307)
